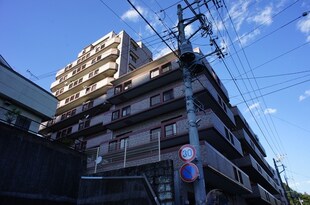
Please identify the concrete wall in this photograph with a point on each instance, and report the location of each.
(160, 176)
(36, 171)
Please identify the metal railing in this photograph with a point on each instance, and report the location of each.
(108, 156)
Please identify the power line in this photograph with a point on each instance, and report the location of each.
(276, 90)
(268, 76)
(273, 85)
(133, 6)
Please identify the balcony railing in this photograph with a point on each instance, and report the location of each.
(261, 196)
(257, 173)
(15, 119)
(248, 142)
(108, 56)
(122, 153)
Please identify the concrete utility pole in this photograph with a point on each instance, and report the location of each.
(187, 56)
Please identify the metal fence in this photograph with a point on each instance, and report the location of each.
(103, 156)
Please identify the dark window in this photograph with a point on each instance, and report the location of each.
(155, 133)
(170, 130)
(84, 124)
(23, 122)
(118, 89)
(115, 115)
(127, 85)
(166, 68)
(102, 46)
(154, 73)
(133, 57)
(155, 100)
(113, 146)
(99, 57)
(240, 177)
(126, 111)
(168, 95)
(88, 105)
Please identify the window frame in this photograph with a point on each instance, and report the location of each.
(157, 102)
(126, 111)
(169, 94)
(115, 115)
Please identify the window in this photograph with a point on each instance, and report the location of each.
(166, 67)
(118, 89)
(90, 88)
(99, 57)
(84, 124)
(72, 97)
(155, 133)
(115, 115)
(113, 146)
(126, 111)
(155, 100)
(133, 57)
(87, 105)
(123, 143)
(64, 132)
(127, 85)
(83, 66)
(68, 114)
(240, 177)
(22, 122)
(155, 73)
(134, 45)
(170, 130)
(168, 95)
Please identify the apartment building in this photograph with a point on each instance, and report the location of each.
(147, 122)
(81, 86)
(126, 110)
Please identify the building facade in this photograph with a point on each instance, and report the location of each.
(125, 111)
(82, 85)
(148, 123)
(23, 104)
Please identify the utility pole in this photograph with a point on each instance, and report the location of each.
(187, 56)
(279, 174)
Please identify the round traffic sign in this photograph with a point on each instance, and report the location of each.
(187, 153)
(189, 172)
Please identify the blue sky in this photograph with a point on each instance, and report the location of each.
(44, 36)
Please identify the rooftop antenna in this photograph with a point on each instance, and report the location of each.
(31, 75)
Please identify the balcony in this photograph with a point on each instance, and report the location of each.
(84, 95)
(90, 126)
(99, 105)
(222, 173)
(261, 197)
(257, 174)
(106, 70)
(242, 124)
(147, 85)
(249, 145)
(138, 149)
(108, 56)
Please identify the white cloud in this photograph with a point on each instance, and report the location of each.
(253, 106)
(264, 17)
(304, 26)
(239, 12)
(248, 37)
(270, 111)
(304, 96)
(132, 15)
(189, 30)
